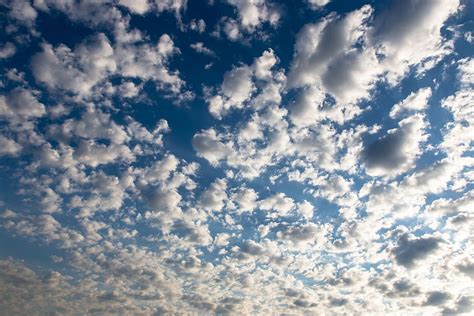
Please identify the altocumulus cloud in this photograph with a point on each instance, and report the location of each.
(243, 157)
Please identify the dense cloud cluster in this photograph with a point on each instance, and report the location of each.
(242, 157)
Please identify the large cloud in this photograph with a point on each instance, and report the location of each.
(346, 56)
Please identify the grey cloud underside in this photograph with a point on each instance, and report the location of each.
(411, 251)
(385, 152)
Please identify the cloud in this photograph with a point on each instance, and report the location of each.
(306, 209)
(252, 248)
(410, 33)
(453, 206)
(395, 152)
(306, 109)
(411, 250)
(208, 146)
(346, 56)
(246, 199)
(325, 57)
(21, 104)
(77, 71)
(200, 48)
(305, 233)
(264, 64)
(323, 192)
(197, 25)
(7, 50)
(256, 85)
(193, 233)
(137, 7)
(416, 101)
(9, 147)
(163, 200)
(315, 4)
(95, 60)
(236, 88)
(278, 202)
(463, 305)
(252, 14)
(437, 298)
(23, 12)
(214, 197)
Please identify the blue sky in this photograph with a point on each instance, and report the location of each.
(236, 157)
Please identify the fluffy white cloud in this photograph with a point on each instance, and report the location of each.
(325, 57)
(214, 197)
(410, 33)
(208, 145)
(252, 13)
(94, 61)
(236, 89)
(278, 202)
(136, 6)
(200, 48)
(7, 50)
(246, 199)
(327, 54)
(318, 3)
(256, 85)
(21, 104)
(22, 11)
(306, 209)
(9, 147)
(77, 71)
(416, 101)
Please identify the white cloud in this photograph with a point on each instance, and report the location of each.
(21, 104)
(200, 48)
(278, 202)
(252, 13)
(246, 199)
(325, 57)
(236, 88)
(453, 206)
(409, 33)
(328, 54)
(163, 200)
(239, 87)
(197, 25)
(136, 6)
(77, 71)
(416, 101)
(208, 146)
(9, 147)
(264, 64)
(318, 3)
(23, 12)
(95, 60)
(306, 209)
(7, 50)
(214, 197)
(306, 109)
(305, 233)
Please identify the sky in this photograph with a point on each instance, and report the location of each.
(236, 157)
